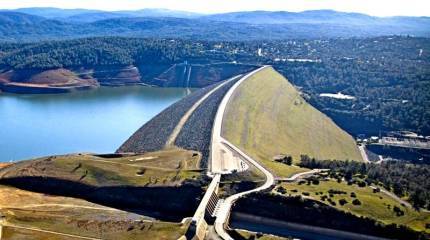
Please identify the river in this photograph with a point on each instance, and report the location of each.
(87, 121)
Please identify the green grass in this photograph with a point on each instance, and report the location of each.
(373, 205)
(164, 168)
(266, 116)
(170, 167)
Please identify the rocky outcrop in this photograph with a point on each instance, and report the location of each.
(111, 75)
(44, 81)
(62, 80)
(199, 75)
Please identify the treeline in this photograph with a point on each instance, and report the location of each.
(404, 179)
(388, 76)
(311, 212)
(95, 52)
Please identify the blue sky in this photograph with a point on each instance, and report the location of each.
(372, 7)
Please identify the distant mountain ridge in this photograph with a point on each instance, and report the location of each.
(51, 23)
(88, 15)
(283, 17)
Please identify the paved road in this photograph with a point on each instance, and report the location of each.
(226, 158)
(363, 153)
(225, 208)
(171, 140)
(223, 160)
(302, 175)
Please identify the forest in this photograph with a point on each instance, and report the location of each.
(311, 212)
(387, 77)
(403, 179)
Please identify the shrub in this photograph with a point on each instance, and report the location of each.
(286, 159)
(141, 171)
(361, 184)
(353, 195)
(333, 191)
(399, 212)
(332, 202)
(342, 202)
(356, 202)
(281, 190)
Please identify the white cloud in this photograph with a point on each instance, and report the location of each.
(372, 7)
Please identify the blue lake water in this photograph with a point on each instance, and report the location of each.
(96, 121)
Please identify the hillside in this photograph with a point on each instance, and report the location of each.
(275, 119)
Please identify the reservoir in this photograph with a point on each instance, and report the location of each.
(96, 121)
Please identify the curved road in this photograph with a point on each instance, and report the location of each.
(224, 210)
(222, 159)
(226, 157)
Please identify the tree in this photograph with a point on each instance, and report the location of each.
(342, 202)
(356, 202)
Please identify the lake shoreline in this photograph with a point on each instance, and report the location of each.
(97, 120)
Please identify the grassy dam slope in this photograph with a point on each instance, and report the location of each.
(266, 116)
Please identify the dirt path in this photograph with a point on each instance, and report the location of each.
(136, 165)
(47, 231)
(61, 205)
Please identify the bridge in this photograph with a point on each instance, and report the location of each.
(205, 211)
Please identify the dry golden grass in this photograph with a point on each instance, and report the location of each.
(162, 168)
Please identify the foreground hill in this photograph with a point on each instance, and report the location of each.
(267, 117)
(101, 196)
